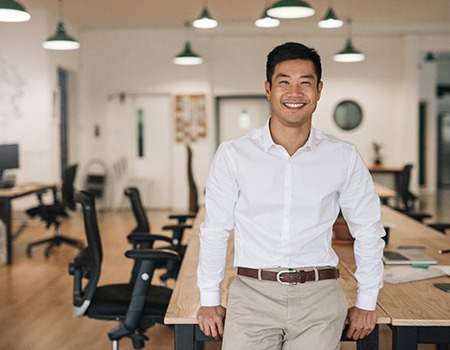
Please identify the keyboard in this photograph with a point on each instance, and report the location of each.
(6, 184)
(394, 256)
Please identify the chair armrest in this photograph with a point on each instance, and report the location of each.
(142, 285)
(418, 216)
(152, 254)
(182, 217)
(145, 237)
(178, 227)
(443, 227)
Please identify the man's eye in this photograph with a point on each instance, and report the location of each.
(306, 83)
(284, 82)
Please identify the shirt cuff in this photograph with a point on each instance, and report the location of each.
(209, 298)
(366, 302)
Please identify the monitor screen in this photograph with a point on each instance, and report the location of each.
(9, 157)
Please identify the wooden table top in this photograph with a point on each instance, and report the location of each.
(416, 303)
(384, 192)
(185, 299)
(22, 189)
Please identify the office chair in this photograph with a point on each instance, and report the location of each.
(193, 193)
(142, 237)
(407, 198)
(137, 306)
(53, 213)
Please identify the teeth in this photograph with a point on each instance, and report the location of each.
(294, 105)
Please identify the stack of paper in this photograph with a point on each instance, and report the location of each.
(401, 274)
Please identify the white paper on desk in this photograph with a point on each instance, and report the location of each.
(401, 274)
(445, 268)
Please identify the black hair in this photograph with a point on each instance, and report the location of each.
(292, 51)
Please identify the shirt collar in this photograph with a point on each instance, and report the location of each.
(268, 142)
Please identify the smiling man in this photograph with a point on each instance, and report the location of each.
(280, 188)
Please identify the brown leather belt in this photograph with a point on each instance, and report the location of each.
(290, 276)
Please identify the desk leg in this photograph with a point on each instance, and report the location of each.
(5, 208)
(404, 338)
(184, 337)
(371, 342)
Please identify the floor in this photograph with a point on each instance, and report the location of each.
(35, 292)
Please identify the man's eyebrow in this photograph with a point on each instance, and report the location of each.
(282, 75)
(285, 75)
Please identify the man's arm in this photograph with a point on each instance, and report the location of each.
(220, 201)
(211, 320)
(361, 322)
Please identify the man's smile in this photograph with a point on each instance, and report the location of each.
(294, 104)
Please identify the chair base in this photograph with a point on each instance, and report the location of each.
(55, 241)
(138, 338)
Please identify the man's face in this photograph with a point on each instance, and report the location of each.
(294, 92)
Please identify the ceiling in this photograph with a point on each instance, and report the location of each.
(399, 15)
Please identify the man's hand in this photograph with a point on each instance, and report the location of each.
(211, 320)
(361, 322)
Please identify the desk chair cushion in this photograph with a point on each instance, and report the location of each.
(113, 301)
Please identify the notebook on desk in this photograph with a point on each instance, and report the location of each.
(407, 257)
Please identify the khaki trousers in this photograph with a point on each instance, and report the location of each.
(266, 315)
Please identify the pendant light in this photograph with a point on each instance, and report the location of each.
(187, 57)
(349, 53)
(330, 20)
(12, 11)
(60, 40)
(205, 21)
(265, 21)
(289, 9)
(430, 57)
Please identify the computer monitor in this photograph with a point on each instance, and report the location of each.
(9, 157)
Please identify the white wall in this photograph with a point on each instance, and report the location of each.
(141, 61)
(386, 85)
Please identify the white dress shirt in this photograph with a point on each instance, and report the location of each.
(282, 209)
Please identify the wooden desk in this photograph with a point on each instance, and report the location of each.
(419, 312)
(6, 196)
(394, 171)
(384, 193)
(185, 299)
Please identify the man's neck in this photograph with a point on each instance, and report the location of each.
(291, 138)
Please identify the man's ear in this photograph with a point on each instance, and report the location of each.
(267, 88)
(319, 89)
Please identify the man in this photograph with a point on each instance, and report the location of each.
(280, 188)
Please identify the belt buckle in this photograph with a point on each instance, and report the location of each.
(290, 271)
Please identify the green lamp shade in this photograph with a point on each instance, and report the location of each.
(187, 57)
(330, 20)
(205, 21)
(12, 11)
(290, 9)
(265, 21)
(349, 54)
(430, 57)
(60, 40)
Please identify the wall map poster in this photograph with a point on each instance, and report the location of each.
(190, 118)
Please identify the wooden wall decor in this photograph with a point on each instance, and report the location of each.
(190, 118)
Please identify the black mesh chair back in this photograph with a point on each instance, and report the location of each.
(139, 213)
(408, 199)
(142, 237)
(136, 306)
(67, 188)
